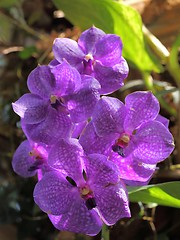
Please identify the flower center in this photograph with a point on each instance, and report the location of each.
(58, 103)
(39, 160)
(85, 191)
(120, 144)
(87, 195)
(35, 153)
(88, 63)
(123, 141)
(88, 57)
(53, 99)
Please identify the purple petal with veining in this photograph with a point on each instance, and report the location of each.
(111, 78)
(89, 38)
(66, 156)
(108, 50)
(54, 194)
(78, 128)
(45, 168)
(142, 107)
(53, 63)
(65, 48)
(132, 168)
(56, 125)
(31, 107)
(163, 120)
(135, 183)
(22, 160)
(154, 142)
(92, 143)
(100, 171)
(78, 219)
(108, 116)
(112, 202)
(67, 78)
(41, 81)
(81, 104)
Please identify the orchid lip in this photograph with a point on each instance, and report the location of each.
(58, 103)
(36, 165)
(86, 194)
(118, 150)
(91, 203)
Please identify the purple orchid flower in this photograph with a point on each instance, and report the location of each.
(30, 159)
(130, 135)
(58, 97)
(82, 192)
(97, 54)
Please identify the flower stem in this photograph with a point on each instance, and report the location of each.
(23, 25)
(159, 49)
(105, 233)
(149, 84)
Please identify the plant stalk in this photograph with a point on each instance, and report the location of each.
(105, 233)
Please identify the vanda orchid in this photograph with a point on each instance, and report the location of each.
(86, 147)
(97, 54)
(130, 134)
(83, 191)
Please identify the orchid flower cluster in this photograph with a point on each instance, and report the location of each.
(85, 146)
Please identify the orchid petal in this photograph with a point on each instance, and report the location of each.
(56, 125)
(78, 219)
(81, 104)
(154, 142)
(89, 38)
(133, 169)
(92, 143)
(31, 107)
(67, 79)
(111, 78)
(100, 171)
(22, 160)
(41, 82)
(142, 107)
(112, 202)
(54, 194)
(66, 156)
(109, 50)
(108, 116)
(65, 48)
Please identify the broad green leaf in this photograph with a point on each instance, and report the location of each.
(112, 17)
(167, 194)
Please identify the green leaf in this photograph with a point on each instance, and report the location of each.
(167, 194)
(112, 17)
(27, 52)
